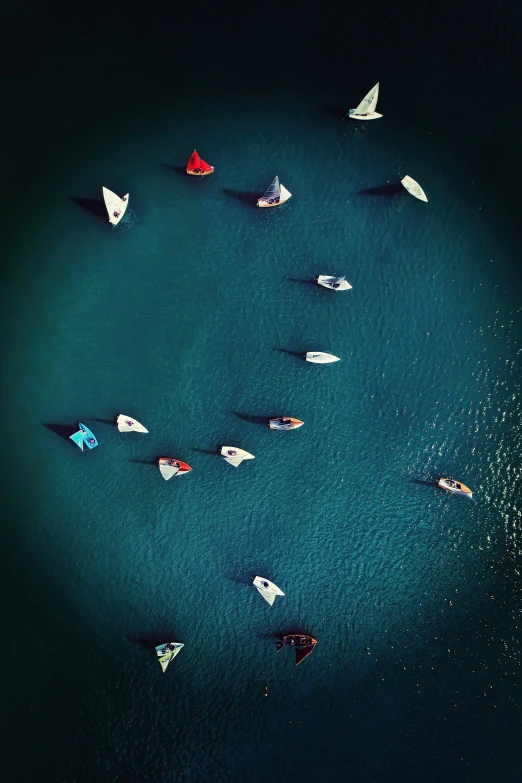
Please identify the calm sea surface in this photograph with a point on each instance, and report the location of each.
(189, 316)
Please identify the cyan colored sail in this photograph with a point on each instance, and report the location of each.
(78, 438)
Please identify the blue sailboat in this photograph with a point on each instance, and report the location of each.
(84, 438)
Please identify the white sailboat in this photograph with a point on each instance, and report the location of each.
(167, 652)
(116, 205)
(170, 467)
(126, 424)
(317, 357)
(235, 456)
(268, 589)
(414, 188)
(335, 283)
(366, 109)
(276, 194)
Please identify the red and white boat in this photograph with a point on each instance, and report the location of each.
(172, 467)
(455, 486)
(197, 166)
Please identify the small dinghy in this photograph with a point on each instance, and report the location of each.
(197, 166)
(414, 188)
(172, 467)
(276, 194)
(116, 206)
(455, 486)
(235, 456)
(335, 283)
(302, 644)
(285, 423)
(84, 438)
(167, 652)
(126, 424)
(267, 589)
(366, 109)
(317, 357)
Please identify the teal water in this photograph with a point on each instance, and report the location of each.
(188, 317)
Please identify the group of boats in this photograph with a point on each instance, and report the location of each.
(275, 195)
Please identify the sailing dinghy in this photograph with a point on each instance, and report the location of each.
(335, 283)
(235, 456)
(116, 205)
(126, 424)
(366, 109)
(267, 589)
(414, 188)
(276, 194)
(302, 644)
(455, 486)
(285, 423)
(197, 166)
(84, 438)
(317, 357)
(167, 652)
(172, 467)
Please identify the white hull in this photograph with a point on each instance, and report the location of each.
(126, 424)
(414, 188)
(317, 357)
(268, 589)
(116, 206)
(235, 456)
(374, 116)
(327, 280)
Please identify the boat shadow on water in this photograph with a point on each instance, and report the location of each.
(145, 461)
(177, 169)
(63, 430)
(150, 641)
(300, 280)
(254, 419)
(241, 195)
(93, 205)
(106, 421)
(432, 483)
(338, 112)
(297, 354)
(390, 189)
(213, 453)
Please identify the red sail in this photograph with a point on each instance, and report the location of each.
(198, 165)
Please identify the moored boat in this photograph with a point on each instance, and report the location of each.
(170, 467)
(167, 652)
(235, 456)
(268, 589)
(197, 166)
(275, 195)
(318, 357)
(302, 643)
(285, 423)
(335, 283)
(366, 109)
(84, 438)
(455, 486)
(126, 424)
(116, 205)
(414, 188)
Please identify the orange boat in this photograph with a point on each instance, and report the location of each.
(455, 486)
(197, 166)
(302, 644)
(285, 423)
(172, 467)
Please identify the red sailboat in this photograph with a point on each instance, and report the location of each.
(197, 166)
(302, 644)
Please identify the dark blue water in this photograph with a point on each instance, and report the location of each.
(189, 317)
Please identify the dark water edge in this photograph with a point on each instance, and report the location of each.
(457, 54)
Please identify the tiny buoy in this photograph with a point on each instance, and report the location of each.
(266, 690)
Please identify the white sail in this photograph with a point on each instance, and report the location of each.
(335, 283)
(169, 468)
(116, 206)
(126, 424)
(285, 194)
(274, 191)
(235, 456)
(414, 188)
(167, 652)
(268, 589)
(369, 102)
(318, 357)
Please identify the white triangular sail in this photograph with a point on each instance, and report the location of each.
(414, 188)
(126, 424)
(167, 652)
(369, 102)
(335, 283)
(235, 456)
(285, 194)
(169, 468)
(116, 205)
(268, 589)
(274, 191)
